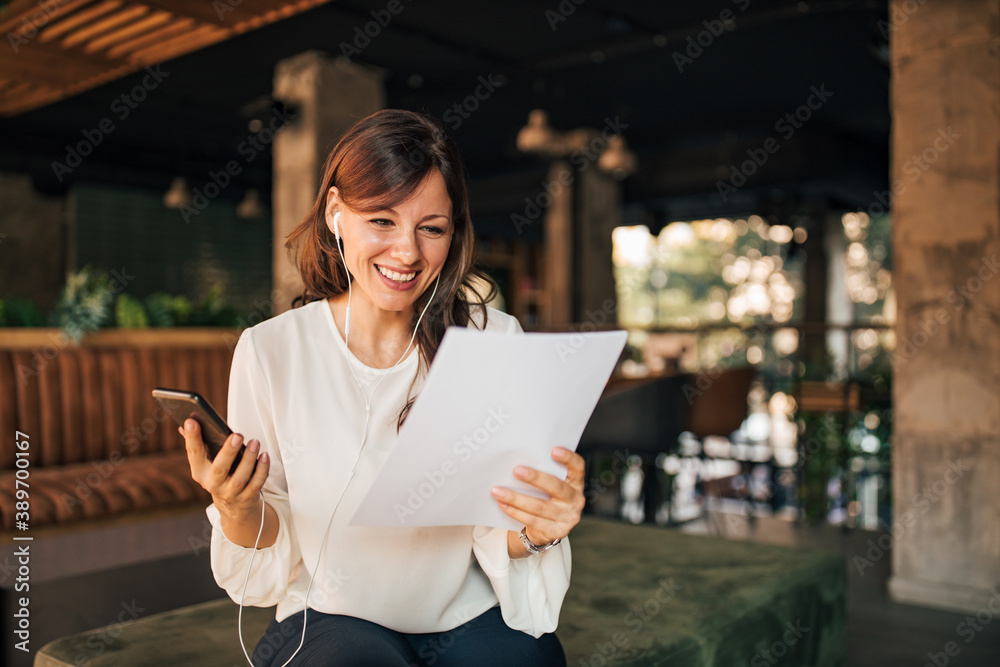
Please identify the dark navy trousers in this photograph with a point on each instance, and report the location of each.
(334, 640)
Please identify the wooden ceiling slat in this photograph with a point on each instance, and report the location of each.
(81, 18)
(227, 14)
(47, 64)
(21, 89)
(10, 106)
(140, 27)
(23, 94)
(30, 95)
(63, 90)
(176, 27)
(18, 25)
(98, 28)
(16, 11)
(84, 43)
(196, 39)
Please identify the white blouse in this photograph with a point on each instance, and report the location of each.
(291, 388)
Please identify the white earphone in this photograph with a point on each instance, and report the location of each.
(354, 468)
(336, 234)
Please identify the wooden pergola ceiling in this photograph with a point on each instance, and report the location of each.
(58, 48)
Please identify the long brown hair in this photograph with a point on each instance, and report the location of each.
(376, 165)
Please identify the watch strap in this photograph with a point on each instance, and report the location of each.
(536, 548)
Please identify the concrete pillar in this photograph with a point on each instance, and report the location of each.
(600, 211)
(946, 221)
(557, 280)
(330, 95)
(578, 273)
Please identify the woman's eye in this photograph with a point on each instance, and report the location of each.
(436, 231)
(381, 222)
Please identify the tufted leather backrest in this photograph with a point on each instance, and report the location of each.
(80, 403)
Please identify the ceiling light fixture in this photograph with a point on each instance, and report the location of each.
(178, 195)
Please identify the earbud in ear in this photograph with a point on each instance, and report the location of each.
(336, 225)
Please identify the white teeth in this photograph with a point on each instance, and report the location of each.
(398, 277)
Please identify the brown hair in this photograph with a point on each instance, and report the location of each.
(377, 164)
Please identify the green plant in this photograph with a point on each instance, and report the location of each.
(130, 313)
(88, 302)
(18, 312)
(84, 305)
(212, 312)
(168, 311)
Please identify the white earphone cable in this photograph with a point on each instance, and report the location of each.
(364, 437)
(239, 617)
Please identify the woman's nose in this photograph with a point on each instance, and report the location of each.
(405, 249)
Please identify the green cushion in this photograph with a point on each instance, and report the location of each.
(648, 596)
(639, 596)
(195, 636)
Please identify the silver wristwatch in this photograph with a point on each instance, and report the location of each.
(536, 548)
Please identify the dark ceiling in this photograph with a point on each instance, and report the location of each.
(604, 60)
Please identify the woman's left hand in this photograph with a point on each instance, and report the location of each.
(552, 519)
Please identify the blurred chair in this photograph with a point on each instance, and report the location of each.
(718, 408)
(635, 417)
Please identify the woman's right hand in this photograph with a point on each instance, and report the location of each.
(236, 496)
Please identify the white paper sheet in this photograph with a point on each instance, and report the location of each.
(491, 401)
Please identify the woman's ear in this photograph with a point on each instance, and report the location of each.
(333, 207)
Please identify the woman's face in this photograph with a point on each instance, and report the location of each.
(397, 253)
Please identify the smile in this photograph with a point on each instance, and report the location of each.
(396, 277)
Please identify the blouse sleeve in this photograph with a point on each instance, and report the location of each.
(250, 413)
(530, 590)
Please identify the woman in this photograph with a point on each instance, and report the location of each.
(318, 394)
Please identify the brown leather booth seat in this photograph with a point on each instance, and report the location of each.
(98, 444)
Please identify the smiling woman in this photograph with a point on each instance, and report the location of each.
(392, 160)
(318, 394)
(393, 255)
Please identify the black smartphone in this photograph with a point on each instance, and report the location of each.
(182, 405)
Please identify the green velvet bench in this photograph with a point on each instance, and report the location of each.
(640, 596)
